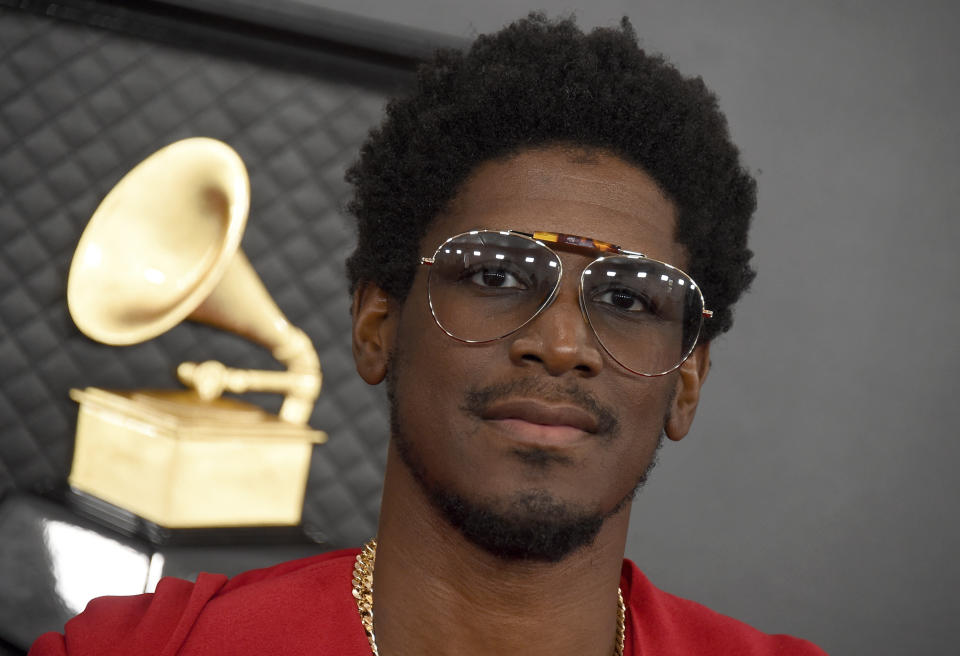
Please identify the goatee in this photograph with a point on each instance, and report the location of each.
(530, 525)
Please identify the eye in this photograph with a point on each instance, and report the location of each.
(624, 300)
(494, 277)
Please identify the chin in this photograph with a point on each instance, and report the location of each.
(531, 526)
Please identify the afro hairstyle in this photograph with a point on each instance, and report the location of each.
(539, 83)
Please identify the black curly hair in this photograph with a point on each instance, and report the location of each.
(537, 83)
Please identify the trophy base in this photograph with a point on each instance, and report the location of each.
(131, 525)
(168, 459)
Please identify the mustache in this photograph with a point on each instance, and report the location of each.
(478, 398)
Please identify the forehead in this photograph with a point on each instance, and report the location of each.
(588, 193)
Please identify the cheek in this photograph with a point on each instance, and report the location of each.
(426, 367)
(429, 374)
(642, 407)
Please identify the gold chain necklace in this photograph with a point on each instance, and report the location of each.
(363, 593)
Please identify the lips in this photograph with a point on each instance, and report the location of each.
(543, 414)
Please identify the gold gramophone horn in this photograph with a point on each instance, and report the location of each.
(163, 246)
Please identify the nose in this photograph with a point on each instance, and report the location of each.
(559, 339)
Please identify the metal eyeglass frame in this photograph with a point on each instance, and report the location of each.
(574, 241)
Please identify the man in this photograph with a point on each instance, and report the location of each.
(532, 366)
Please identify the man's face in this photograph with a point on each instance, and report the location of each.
(541, 428)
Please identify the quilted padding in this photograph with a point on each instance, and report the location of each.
(79, 106)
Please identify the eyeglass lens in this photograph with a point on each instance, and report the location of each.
(485, 285)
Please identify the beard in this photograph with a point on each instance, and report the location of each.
(530, 525)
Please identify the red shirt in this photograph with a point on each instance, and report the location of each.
(306, 607)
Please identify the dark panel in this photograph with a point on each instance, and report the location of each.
(52, 562)
(287, 34)
(79, 106)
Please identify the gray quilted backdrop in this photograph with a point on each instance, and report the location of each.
(79, 106)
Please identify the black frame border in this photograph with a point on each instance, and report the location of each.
(305, 39)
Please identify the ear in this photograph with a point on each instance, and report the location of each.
(693, 373)
(373, 326)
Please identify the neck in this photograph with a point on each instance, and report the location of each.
(437, 593)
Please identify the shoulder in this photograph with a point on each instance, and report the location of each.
(667, 624)
(144, 623)
(336, 564)
(160, 622)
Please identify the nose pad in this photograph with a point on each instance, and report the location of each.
(560, 339)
